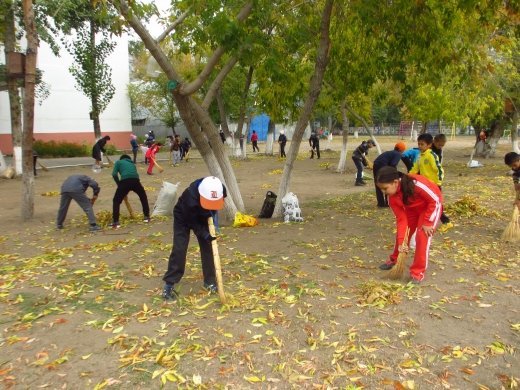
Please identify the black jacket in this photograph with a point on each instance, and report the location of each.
(189, 212)
(361, 152)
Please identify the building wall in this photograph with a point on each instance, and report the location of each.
(64, 115)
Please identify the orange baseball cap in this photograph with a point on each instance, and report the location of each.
(211, 193)
(400, 146)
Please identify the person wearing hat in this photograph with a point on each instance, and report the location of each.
(197, 203)
(360, 159)
(282, 140)
(387, 159)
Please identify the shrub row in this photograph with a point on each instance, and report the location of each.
(66, 149)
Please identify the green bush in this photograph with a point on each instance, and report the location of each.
(61, 149)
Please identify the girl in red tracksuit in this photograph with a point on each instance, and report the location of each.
(150, 155)
(417, 204)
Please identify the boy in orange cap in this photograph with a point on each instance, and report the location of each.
(197, 203)
(387, 159)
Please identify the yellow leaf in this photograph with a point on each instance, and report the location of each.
(254, 379)
(85, 357)
(118, 330)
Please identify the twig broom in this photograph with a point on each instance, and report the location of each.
(398, 269)
(512, 231)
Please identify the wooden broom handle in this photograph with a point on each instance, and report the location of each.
(216, 261)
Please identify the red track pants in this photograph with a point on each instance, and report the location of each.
(422, 241)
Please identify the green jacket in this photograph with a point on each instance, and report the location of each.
(124, 169)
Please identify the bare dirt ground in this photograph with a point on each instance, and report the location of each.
(307, 305)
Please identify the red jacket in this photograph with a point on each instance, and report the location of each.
(152, 151)
(426, 201)
(254, 137)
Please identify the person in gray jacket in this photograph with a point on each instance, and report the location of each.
(74, 187)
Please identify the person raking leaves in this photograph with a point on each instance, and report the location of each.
(417, 204)
(201, 200)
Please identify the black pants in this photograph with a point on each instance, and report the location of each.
(359, 166)
(123, 188)
(134, 152)
(177, 260)
(282, 150)
(382, 200)
(255, 146)
(317, 149)
(444, 218)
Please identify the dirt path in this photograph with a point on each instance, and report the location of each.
(308, 306)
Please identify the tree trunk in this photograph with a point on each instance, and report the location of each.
(201, 142)
(497, 131)
(223, 114)
(242, 115)
(193, 114)
(365, 125)
(271, 127)
(217, 147)
(246, 137)
(342, 165)
(12, 87)
(94, 97)
(322, 59)
(514, 132)
(28, 122)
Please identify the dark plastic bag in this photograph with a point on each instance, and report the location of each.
(268, 206)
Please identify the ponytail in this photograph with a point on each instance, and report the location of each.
(389, 174)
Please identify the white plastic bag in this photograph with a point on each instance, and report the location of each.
(291, 208)
(166, 199)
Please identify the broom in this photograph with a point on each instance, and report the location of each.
(398, 269)
(512, 231)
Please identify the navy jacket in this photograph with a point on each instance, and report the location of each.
(390, 158)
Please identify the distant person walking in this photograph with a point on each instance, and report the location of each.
(98, 148)
(254, 141)
(282, 141)
(135, 146)
(74, 187)
(314, 143)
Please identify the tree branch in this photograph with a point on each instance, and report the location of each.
(174, 25)
(190, 88)
(215, 85)
(152, 46)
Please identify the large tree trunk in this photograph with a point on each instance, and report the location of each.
(201, 142)
(12, 88)
(365, 125)
(497, 131)
(270, 138)
(223, 114)
(514, 132)
(28, 122)
(322, 59)
(94, 97)
(242, 114)
(190, 111)
(211, 132)
(342, 165)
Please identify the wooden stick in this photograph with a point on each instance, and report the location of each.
(216, 260)
(161, 169)
(129, 207)
(110, 163)
(43, 167)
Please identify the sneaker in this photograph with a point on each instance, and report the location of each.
(94, 228)
(168, 293)
(360, 183)
(211, 288)
(59, 227)
(116, 225)
(386, 266)
(146, 220)
(414, 281)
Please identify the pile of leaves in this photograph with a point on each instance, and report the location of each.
(467, 207)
